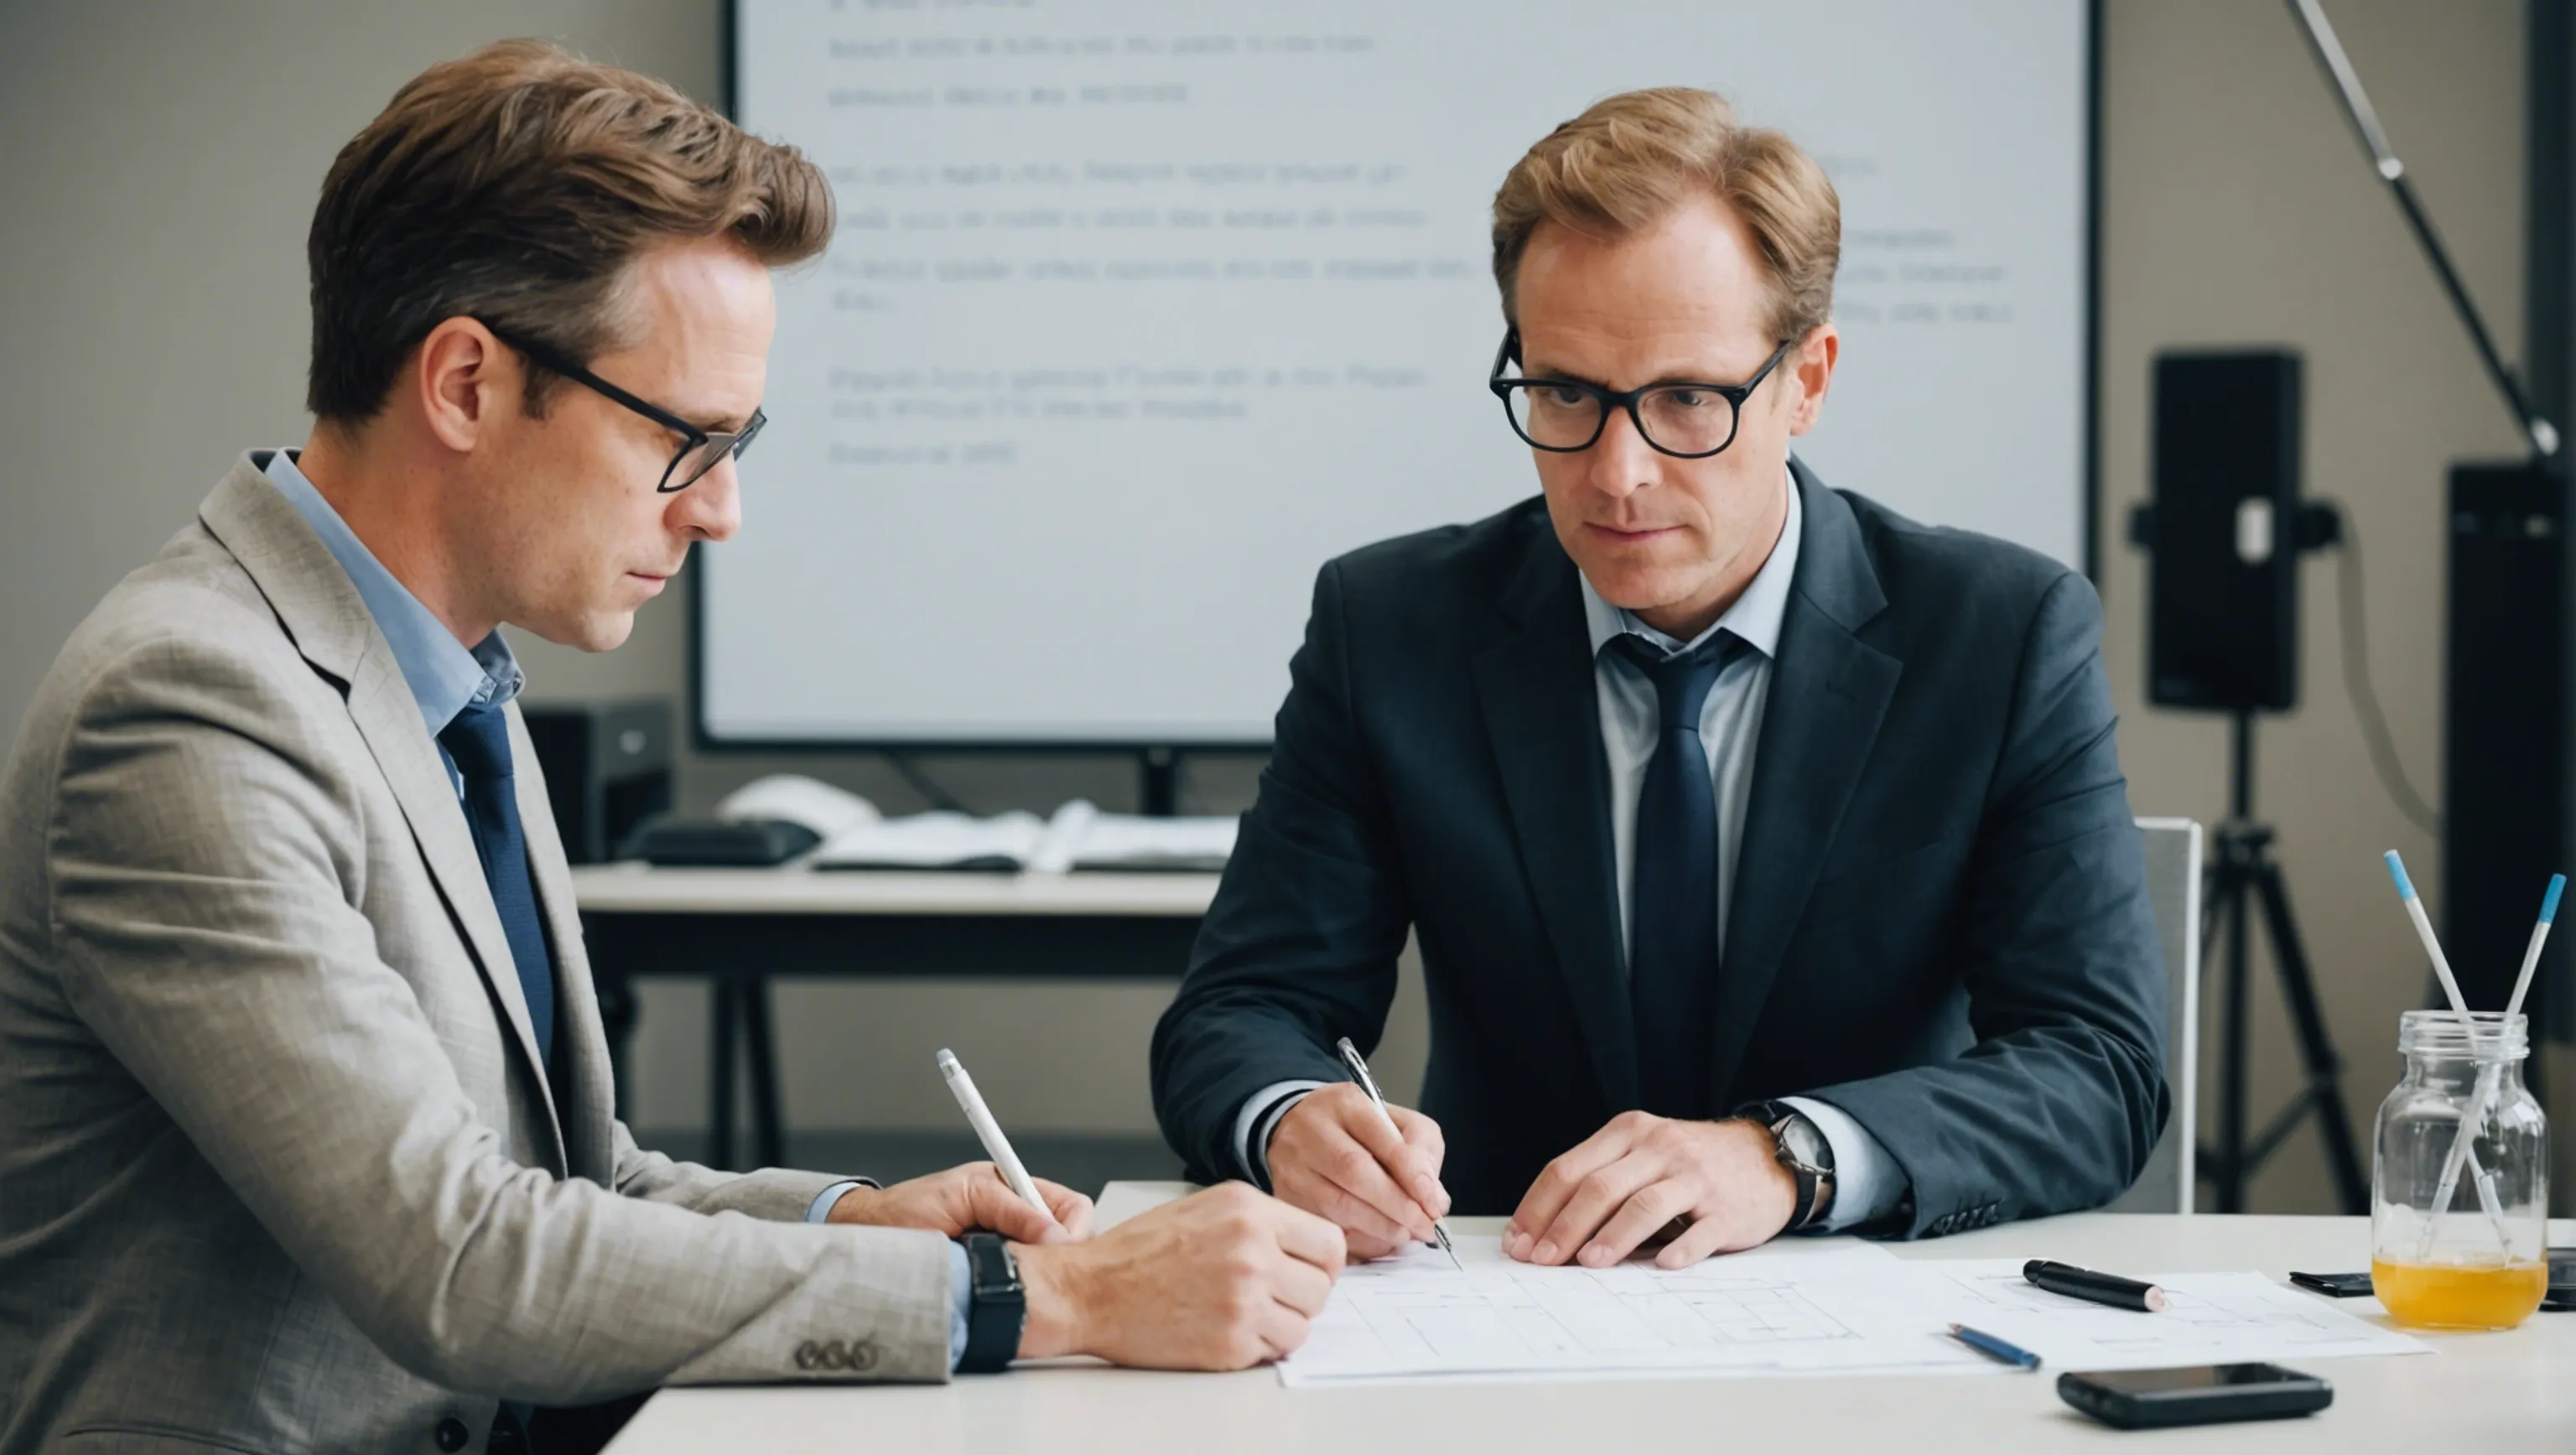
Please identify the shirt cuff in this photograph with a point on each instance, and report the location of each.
(1868, 1184)
(961, 1301)
(820, 1209)
(1258, 1119)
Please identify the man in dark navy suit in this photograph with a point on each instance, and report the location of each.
(1768, 852)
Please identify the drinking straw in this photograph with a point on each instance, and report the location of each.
(2490, 1077)
(2487, 1199)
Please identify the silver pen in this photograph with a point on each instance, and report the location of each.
(1368, 1083)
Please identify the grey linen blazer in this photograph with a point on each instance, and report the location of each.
(280, 1169)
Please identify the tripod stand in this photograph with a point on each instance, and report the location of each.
(2243, 876)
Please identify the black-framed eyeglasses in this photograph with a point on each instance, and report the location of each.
(1565, 416)
(700, 450)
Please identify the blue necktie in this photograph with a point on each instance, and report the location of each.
(1672, 966)
(479, 743)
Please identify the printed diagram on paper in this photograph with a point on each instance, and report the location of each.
(1805, 1307)
(1790, 1308)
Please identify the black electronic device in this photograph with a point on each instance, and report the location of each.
(2335, 1285)
(998, 1311)
(607, 766)
(753, 843)
(2561, 1298)
(2224, 531)
(2506, 728)
(2209, 1394)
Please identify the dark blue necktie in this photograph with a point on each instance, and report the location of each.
(479, 743)
(1672, 965)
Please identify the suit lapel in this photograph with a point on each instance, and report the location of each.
(1543, 719)
(331, 627)
(1829, 692)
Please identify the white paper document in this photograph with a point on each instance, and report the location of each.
(1076, 836)
(2208, 1318)
(1801, 1307)
(940, 840)
(1793, 1306)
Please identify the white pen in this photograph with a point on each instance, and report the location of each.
(989, 1132)
(1359, 1068)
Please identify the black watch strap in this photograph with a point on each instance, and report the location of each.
(1800, 1146)
(996, 1305)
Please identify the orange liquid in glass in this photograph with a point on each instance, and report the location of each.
(2493, 1296)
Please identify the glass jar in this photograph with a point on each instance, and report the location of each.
(2459, 1226)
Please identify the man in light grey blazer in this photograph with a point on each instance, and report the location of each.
(306, 1136)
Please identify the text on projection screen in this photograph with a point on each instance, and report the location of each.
(1139, 313)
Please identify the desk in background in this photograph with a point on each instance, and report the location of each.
(2483, 1393)
(737, 928)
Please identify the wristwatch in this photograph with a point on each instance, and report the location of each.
(1799, 1145)
(997, 1305)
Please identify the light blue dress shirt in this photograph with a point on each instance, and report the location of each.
(444, 675)
(1868, 1184)
(445, 678)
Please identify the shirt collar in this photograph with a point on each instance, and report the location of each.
(1755, 617)
(445, 678)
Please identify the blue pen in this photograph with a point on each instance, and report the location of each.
(1994, 1348)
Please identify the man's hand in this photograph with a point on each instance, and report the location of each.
(1627, 1181)
(1225, 1279)
(1333, 1156)
(962, 1199)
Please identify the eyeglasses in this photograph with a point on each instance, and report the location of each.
(1565, 416)
(700, 450)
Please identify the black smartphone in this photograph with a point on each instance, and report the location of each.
(2150, 1399)
(2561, 1297)
(2334, 1285)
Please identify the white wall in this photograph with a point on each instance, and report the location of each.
(162, 167)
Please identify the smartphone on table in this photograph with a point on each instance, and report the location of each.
(2210, 1394)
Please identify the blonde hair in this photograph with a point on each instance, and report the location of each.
(1629, 160)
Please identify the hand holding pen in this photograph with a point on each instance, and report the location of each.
(1359, 1068)
(1374, 1173)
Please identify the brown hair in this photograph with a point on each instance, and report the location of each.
(515, 185)
(1630, 159)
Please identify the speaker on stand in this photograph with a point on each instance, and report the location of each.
(2224, 530)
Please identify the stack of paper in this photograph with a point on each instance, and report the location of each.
(943, 840)
(1082, 837)
(1077, 836)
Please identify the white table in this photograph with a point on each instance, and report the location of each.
(739, 927)
(2480, 1394)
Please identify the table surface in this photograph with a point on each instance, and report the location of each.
(2483, 1393)
(636, 888)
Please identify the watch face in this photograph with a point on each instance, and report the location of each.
(996, 1274)
(1802, 1141)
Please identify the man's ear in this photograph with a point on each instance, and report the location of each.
(462, 375)
(1812, 365)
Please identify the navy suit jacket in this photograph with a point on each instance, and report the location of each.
(1940, 921)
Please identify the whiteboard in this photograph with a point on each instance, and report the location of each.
(1140, 311)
